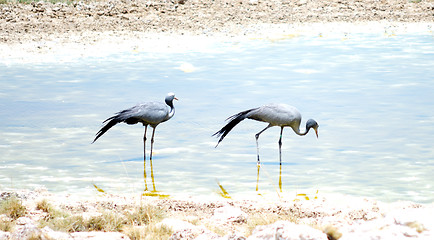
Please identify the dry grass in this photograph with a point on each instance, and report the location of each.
(59, 220)
(332, 232)
(12, 207)
(44, 205)
(417, 226)
(144, 214)
(69, 223)
(142, 223)
(138, 223)
(6, 225)
(36, 236)
(51, 212)
(30, 1)
(149, 232)
(216, 229)
(259, 219)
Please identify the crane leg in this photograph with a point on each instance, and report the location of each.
(144, 158)
(144, 143)
(152, 142)
(280, 159)
(257, 145)
(280, 146)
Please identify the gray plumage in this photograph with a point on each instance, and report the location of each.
(282, 115)
(150, 113)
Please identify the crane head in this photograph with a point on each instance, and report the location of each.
(170, 97)
(312, 124)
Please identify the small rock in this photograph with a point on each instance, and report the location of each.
(24, 221)
(100, 235)
(51, 234)
(302, 2)
(186, 230)
(284, 230)
(409, 217)
(5, 235)
(25, 229)
(253, 2)
(229, 214)
(234, 236)
(195, 233)
(176, 224)
(207, 235)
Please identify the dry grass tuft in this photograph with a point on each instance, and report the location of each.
(332, 233)
(12, 207)
(144, 214)
(6, 225)
(69, 223)
(44, 205)
(149, 232)
(417, 226)
(259, 219)
(142, 223)
(106, 222)
(36, 236)
(128, 222)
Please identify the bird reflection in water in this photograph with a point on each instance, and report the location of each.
(147, 191)
(222, 191)
(280, 178)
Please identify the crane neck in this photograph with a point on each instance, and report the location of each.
(172, 110)
(297, 131)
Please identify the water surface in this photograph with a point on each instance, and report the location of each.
(371, 94)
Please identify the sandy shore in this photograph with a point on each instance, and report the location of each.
(326, 217)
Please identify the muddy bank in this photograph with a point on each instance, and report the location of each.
(38, 21)
(42, 31)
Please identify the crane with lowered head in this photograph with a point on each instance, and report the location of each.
(281, 115)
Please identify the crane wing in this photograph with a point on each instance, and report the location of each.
(148, 113)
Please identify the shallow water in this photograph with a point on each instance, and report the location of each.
(371, 94)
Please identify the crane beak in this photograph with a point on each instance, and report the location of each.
(175, 98)
(316, 132)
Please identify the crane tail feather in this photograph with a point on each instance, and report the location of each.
(233, 121)
(110, 122)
